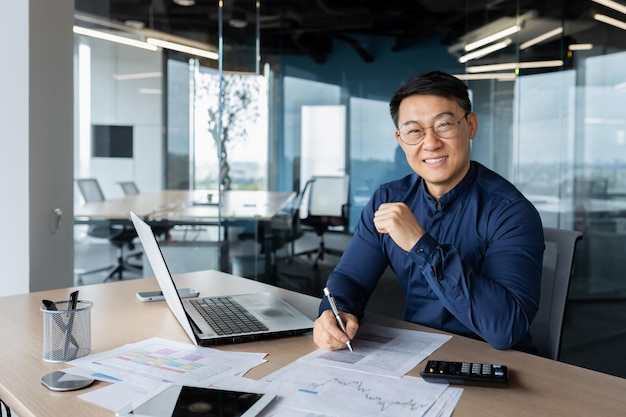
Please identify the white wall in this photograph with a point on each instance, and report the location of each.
(36, 145)
(114, 100)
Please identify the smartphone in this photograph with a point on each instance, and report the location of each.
(144, 296)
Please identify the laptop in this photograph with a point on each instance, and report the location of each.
(210, 320)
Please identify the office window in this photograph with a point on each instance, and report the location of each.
(375, 156)
(244, 125)
(296, 94)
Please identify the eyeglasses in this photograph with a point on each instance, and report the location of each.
(445, 126)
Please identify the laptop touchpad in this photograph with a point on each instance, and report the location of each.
(273, 312)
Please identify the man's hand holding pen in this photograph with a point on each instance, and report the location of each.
(327, 333)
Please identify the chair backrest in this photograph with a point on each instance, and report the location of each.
(558, 259)
(326, 196)
(129, 187)
(90, 189)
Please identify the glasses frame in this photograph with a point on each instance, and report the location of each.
(458, 122)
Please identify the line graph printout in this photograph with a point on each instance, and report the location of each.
(329, 391)
(157, 360)
(381, 350)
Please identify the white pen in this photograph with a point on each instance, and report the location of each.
(331, 300)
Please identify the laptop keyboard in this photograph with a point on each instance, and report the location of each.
(226, 316)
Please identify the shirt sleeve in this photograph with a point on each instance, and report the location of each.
(500, 299)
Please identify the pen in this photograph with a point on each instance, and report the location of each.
(333, 306)
(50, 305)
(68, 330)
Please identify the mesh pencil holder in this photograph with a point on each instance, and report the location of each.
(66, 332)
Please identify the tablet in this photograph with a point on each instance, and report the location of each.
(180, 400)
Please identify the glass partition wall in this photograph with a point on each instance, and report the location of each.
(196, 115)
(547, 90)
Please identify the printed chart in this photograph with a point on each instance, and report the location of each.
(324, 391)
(156, 361)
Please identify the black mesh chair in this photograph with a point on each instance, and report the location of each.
(130, 188)
(120, 235)
(325, 207)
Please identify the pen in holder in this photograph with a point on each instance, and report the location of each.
(66, 330)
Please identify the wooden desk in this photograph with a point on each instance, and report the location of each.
(538, 387)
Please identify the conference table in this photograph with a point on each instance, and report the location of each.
(538, 386)
(165, 208)
(187, 206)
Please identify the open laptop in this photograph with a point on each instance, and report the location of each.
(264, 315)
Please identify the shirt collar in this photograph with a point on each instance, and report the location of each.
(449, 197)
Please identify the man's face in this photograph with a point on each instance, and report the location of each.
(442, 163)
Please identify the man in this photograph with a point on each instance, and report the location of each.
(465, 244)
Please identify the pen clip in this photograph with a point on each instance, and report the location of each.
(73, 300)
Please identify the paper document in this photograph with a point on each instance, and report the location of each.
(381, 350)
(155, 361)
(325, 391)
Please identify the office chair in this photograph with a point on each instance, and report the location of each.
(325, 206)
(129, 187)
(285, 224)
(119, 235)
(161, 231)
(558, 259)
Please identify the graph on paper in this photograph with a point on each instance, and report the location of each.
(157, 360)
(169, 363)
(365, 391)
(325, 390)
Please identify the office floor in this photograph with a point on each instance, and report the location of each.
(594, 334)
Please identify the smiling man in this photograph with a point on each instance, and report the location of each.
(465, 244)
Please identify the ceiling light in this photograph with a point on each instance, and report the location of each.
(609, 20)
(113, 38)
(541, 38)
(137, 76)
(135, 24)
(491, 38)
(238, 20)
(183, 48)
(580, 46)
(515, 65)
(612, 5)
(150, 91)
(509, 76)
(479, 53)
(185, 3)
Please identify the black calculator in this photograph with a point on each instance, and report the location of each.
(466, 373)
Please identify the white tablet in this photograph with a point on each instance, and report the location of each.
(179, 400)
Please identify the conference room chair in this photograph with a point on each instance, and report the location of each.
(119, 234)
(160, 231)
(324, 207)
(129, 187)
(558, 260)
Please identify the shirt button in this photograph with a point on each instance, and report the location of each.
(420, 250)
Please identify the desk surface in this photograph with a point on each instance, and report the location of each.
(178, 206)
(538, 387)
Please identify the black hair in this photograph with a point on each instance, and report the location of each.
(436, 83)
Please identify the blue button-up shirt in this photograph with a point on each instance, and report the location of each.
(476, 271)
